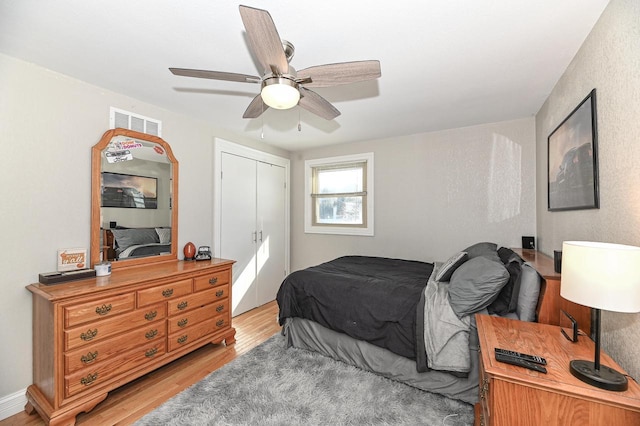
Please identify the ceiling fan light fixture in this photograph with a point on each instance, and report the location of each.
(280, 92)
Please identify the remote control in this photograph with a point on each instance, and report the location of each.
(520, 362)
(531, 358)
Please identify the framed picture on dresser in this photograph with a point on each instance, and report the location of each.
(573, 161)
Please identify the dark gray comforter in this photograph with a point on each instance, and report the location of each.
(368, 298)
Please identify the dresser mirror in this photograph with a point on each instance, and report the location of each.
(134, 199)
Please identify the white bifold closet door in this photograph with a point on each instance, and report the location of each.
(253, 229)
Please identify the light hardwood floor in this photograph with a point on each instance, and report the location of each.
(128, 403)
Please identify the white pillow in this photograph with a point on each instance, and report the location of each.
(164, 234)
(449, 267)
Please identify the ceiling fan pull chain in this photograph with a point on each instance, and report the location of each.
(299, 125)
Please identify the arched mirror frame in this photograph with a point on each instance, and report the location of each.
(96, 225)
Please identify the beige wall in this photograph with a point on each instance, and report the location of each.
(609, 61)
(435, 194)
(48, 123)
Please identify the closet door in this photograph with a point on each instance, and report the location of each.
(238, 227)
(270, 251)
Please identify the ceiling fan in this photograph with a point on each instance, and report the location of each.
(282, 87)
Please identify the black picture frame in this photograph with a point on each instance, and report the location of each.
(572, 160)
(129, 191)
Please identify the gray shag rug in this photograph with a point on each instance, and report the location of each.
(271, 385)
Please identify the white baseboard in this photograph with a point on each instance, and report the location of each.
(12, 404)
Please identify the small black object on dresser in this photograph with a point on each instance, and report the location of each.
(528, 242)
(63, 277)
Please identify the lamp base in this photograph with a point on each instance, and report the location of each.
(604, 378)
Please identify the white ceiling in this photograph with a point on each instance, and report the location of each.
(445, 63)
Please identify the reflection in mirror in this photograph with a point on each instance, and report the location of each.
(134, 199)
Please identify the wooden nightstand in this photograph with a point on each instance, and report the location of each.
(512, 395)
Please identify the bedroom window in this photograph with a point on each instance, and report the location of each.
(339, 195)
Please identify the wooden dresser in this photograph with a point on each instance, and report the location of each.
(92, 336)
(513, 395)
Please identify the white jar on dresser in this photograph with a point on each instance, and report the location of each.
(94, 335)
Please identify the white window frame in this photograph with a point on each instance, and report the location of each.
(309, 227)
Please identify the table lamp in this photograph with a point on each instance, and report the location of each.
(600, 276)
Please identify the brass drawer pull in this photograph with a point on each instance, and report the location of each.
(182, 339)
(220, 308)
(151, 334)
(213, 280)
(89, 335)
(150, 316)
(151, 352)
(182, 305)
(104, 309)
(220, 323)
(89, 379)
(168, 292)
(219, 293)
(183, 322)
(89, 357)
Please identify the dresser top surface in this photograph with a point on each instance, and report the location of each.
(124, 277)
(541, 262)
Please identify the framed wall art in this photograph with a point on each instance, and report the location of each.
(128, 191)
(573, 161)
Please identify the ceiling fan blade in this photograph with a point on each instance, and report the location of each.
(255, 108)
(318, 105)
(215, 75)
(264, 40)
(342, 73)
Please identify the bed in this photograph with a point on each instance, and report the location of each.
(124, 243)
(406, 320)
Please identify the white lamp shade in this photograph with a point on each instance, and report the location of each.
(601, 275)
(280, 93)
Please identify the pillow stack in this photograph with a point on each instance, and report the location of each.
(485, 277)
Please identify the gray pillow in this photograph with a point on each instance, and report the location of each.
(488, 250)
(507, 300)
(135, 236)
(447, 268)
(475, 284)
(507, 255)
(530, 282)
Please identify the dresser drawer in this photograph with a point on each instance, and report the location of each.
(167, 291)
(192, 334)
(93, 377)
(100, 352)
(212, 280)
(188, 319)
(98, 309)
(196, 300)
(98, 331)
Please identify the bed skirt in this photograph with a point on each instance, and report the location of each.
(306, 334)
